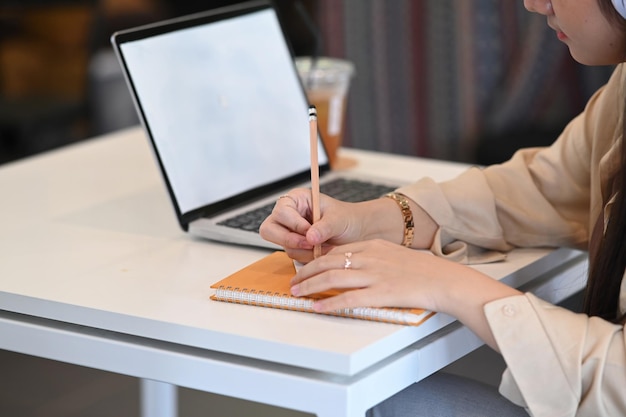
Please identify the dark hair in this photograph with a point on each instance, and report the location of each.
(608, 266)
(606, 6)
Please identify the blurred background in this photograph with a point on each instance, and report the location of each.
(465, 80)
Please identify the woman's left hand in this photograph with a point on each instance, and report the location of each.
(378, 273)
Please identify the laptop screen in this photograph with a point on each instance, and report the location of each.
(223, 104)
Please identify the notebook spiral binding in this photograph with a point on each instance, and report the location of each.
(263, 298)
(288, 302)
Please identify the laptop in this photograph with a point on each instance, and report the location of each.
(220, 99)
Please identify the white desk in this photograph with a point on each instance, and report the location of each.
(94, 271)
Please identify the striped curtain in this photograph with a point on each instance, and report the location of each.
(434, 77)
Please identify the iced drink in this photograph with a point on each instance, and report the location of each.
(327, 81)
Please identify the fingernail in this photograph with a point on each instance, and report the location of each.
(295, 290)
(304, 244)
(314, 236)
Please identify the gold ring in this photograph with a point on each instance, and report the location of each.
(289, 197)
(347, 263)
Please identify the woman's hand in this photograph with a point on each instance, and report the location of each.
(378, 273)
(289, 224)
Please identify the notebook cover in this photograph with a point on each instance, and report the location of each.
(266, 283)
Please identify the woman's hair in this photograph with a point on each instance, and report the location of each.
(606, 6)
(608, 266)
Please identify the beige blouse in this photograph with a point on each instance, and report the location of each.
(559, 363)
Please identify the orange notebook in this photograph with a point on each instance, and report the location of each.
(265, 283)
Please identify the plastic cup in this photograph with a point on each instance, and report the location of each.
(326, 81)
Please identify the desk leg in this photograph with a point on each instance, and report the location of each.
(158, 399)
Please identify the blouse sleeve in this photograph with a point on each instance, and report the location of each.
(560, 363)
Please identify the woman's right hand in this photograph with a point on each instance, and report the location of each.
(289, 224)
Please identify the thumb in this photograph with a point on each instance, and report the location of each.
(318, 233)
(328, 228)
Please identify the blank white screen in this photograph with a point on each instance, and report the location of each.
(224, 105)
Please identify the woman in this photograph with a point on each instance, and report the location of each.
(572, 193)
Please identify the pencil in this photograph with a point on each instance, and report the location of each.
(315, 173)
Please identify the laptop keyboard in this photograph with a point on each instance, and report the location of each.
(343, 189)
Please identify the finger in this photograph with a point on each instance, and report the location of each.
(334, 279)
(303, 256)
(293, 199)
(361, 297)
(335, 257)
(291, 212)
(285, 226)
(330, 226)
(277, 233)
(298, 198)
(316, 284)
(319, 265)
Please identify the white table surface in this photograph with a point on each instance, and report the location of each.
(90, 251)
